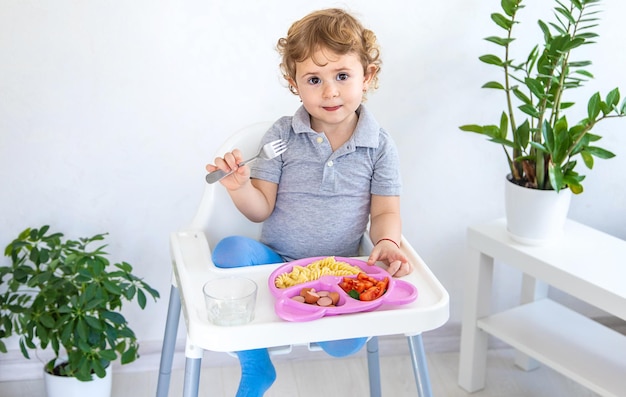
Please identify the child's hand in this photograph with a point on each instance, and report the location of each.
(387, 252)
(227, 163)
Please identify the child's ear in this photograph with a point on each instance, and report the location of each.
(293, 87)
(370, 72)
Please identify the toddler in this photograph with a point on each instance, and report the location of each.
(339, 173)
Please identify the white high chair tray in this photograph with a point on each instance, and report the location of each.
(193, 268)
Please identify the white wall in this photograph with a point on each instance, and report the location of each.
(109, 111)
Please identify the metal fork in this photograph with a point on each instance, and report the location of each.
(267, 152)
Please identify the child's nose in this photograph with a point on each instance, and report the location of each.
(330, 90)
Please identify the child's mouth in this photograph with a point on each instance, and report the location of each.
(331, 108)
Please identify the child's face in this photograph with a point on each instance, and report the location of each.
(331, 93)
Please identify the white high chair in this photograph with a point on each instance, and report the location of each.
(216, 218)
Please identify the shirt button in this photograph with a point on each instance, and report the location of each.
(320, 139)
(330, 163)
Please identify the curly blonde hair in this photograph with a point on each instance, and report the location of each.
(332, 29)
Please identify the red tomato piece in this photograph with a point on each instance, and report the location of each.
(370, 294)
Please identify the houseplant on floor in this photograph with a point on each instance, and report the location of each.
(66, 296)
(543, 149)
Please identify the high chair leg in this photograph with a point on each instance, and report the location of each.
(169, 343)
(193, 355)
(192, 377)
(373, 366)
(420, 368)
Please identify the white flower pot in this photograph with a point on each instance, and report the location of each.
(535, 217)
(63, 386)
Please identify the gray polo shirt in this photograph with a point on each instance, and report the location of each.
(323, 200)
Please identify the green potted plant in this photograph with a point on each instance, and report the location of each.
(543, 149)
(65, 295)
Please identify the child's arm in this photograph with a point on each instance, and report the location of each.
(253, 198)
(386, 233)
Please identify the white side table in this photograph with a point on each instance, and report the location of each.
(587, 264)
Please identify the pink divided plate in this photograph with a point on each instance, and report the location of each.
(398, 292)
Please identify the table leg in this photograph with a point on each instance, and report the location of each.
(169, 343)
(532, 290)
(420, 367)
(473, 351)
(373, 366)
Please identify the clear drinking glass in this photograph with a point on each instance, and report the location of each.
(230, 300)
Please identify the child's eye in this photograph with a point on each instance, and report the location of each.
(314, 80)
(342, 76)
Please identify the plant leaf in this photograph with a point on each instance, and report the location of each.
(108, 354)
(522, 135)
(129, 355)
(47, 320)
(510, 6)
(587, 159)
(501, 41)
(612, 98)
(599, 152)
(141, 299)
(529, 110)
(535, 86)
(493, 84)
(521, 96)
(556, 177)
(561, 141)
(491, 131)
(502, 21)
(114, 317)
(594, 106)
(491, 60)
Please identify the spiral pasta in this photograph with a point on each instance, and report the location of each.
(315, 270)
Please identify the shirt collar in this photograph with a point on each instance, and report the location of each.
(365, 133)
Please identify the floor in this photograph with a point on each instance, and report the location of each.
(320, 376)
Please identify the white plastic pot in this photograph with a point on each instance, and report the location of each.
(535, 217)
(63, 386)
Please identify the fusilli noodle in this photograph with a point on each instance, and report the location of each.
(315, 270)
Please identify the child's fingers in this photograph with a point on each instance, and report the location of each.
(371, 260)
(394, 267)
(399, 268)
(398, 264)
(227, 163)
(231, 160)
